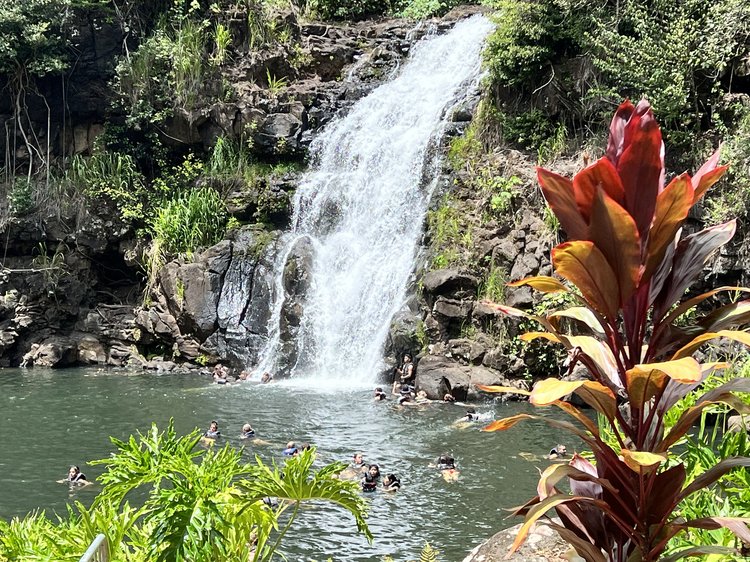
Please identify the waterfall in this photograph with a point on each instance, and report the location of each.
(345, 265)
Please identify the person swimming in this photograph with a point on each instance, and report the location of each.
(449, 397)
(266, 377)
(371, 479)
(446, 464)
(291, 450)
(558, 451)
(391, 483)
(247, 431)
(75, 477)
(213, 431)
(379, 394)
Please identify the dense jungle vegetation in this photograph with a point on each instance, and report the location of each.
(556, 71)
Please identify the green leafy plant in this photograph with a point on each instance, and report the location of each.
(201, 505)
(275, 85)
(192, 220)
(630, 264)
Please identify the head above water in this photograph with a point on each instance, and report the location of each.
(471, 410)
(247, 428)
(358, 458)
(213, 426)
(374, 470)
(446, 461)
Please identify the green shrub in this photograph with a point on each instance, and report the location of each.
(21, 197)
(492, 286)
(418, 9)
(347, 9)
(192, 220)
(110, 175)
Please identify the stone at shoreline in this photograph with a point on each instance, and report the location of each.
(438, 375)
(542, 545)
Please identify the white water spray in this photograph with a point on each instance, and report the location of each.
(361, 208)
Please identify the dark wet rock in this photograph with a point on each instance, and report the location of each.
(404, 336)
(438, 376)
(450, 281)
(452, 308)
(52, 352)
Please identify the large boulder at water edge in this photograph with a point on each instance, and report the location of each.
(542, 545)
(52, 352)
(438, 375)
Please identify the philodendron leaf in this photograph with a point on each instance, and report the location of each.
(641, 461)
(558, 192)
(584, 265)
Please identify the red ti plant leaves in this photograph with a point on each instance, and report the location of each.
(558, 192)
(584, 265)
(614, 232)
(627, 257)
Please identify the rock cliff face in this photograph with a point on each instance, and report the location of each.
(72, 290)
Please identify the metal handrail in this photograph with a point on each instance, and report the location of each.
(98, 551)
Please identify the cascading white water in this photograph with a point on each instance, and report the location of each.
(361, 208)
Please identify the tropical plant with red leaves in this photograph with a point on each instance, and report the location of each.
(628, 266)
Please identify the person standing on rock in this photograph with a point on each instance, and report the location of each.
(406, 371)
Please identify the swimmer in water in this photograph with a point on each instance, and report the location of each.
(75, 477)
(449, 397)
(446, 464)
(379, 394)
(391, 483)
(291, 450)
(247, 432)
(266, 378)
(213, 431)
(557, 452)
(371, 479)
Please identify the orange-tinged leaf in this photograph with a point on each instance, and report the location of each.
(690, 303)
(541, 283)
(584, 265)
(639, 461)
(600, 176)
(599, 397)
(558, 192)
(642, 384)
(707, 175)
(550, 390)
(688, 349)
(686, 370)
(582, 314)
(507, 423)
(600, 354)
(531, 336)
(538, 511)
(672, 206)
(614, 232)
(499, 389)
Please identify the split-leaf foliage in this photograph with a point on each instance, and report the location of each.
(628, 264)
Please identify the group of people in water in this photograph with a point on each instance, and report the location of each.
(368, 475)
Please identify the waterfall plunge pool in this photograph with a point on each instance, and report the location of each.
(52, 419)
